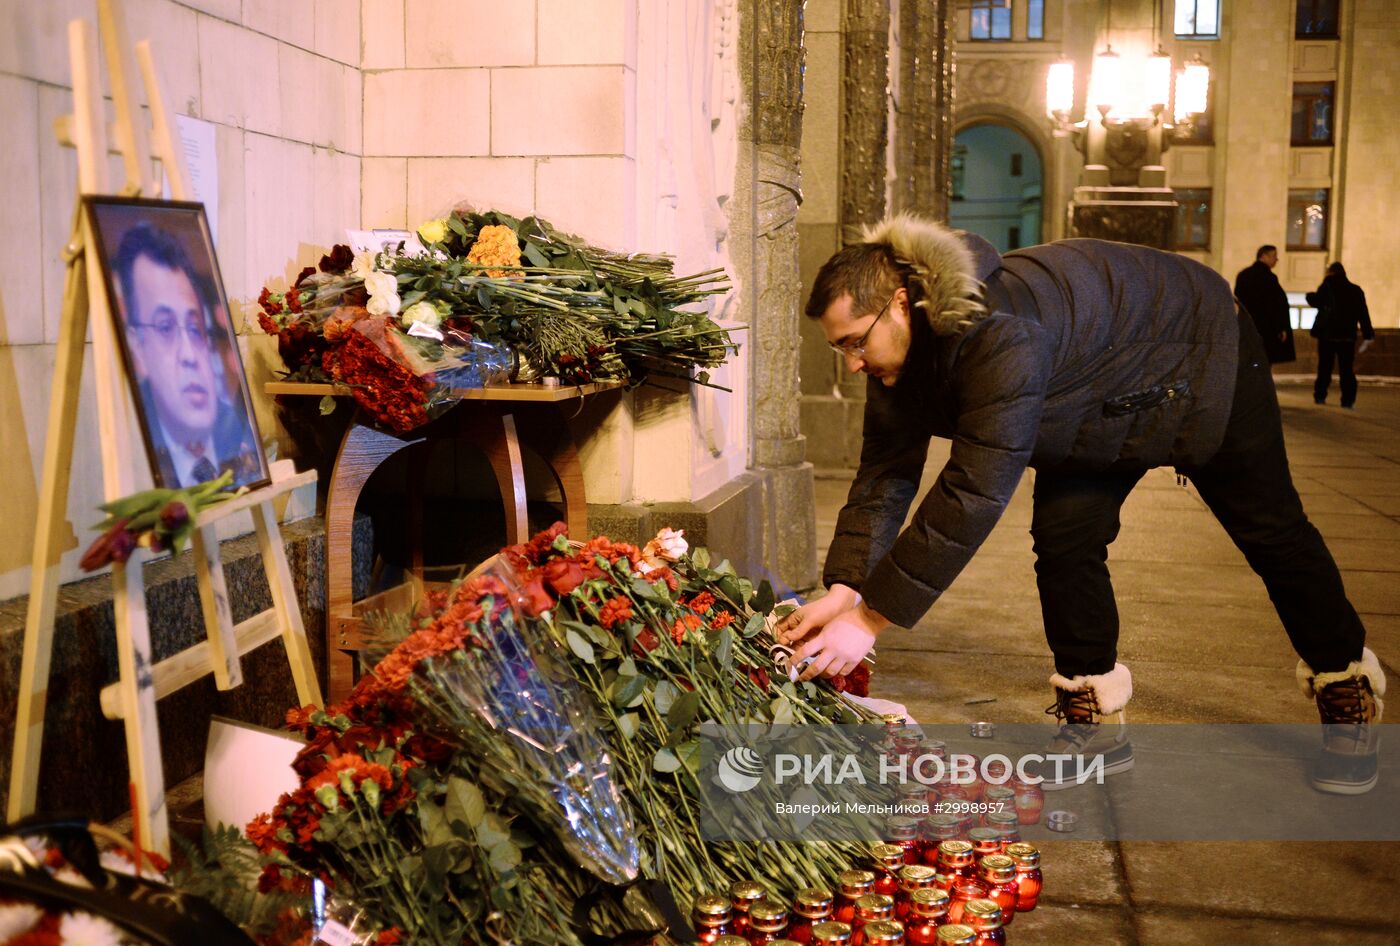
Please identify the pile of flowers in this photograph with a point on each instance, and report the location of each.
(455, 813)
(493, 298)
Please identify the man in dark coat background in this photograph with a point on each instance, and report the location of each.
(1091, 362)
(1341, 309)
(1263, 298)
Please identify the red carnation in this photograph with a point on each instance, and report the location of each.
(563, 575)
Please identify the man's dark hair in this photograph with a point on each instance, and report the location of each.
(870, 272)
(1337, 269)
(1266, 248)
(159, 247)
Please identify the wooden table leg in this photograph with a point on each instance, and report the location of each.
(547, 433)
(361, 453)
(496, 434)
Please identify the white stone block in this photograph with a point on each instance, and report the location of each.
(174, 36)
(239, 77)
(280, 212)
(559, 110)
(427, 112)
(822, 16)
(587, 32)
(604, 433)
(821, 124)
(21, 246)
(353, 140)
(290, 21)
(383, 189)
(593, 197)
(230, 243)
(302, 99)
(34, 40)
(382, 34)
(436, 185)
(469, 33)
(335, 195)
(337, 30)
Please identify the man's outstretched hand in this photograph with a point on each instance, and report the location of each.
(836, 632)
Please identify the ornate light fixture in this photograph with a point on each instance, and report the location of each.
(1124, 91)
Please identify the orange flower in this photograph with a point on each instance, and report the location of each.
(722, 620)
(701, 602)
(616, 610)
(496, 245)
(684, 625)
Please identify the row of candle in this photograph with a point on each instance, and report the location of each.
(979, 891)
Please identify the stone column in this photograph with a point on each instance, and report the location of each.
(864, 128)
(764, 220)
(923, 140)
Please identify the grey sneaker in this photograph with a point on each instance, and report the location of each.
(1084, 733)
(1351, 736)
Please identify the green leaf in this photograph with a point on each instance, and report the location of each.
(629, 724)
(724, 650)
(690, 754)
(434, 823)
(504, 857)
(492, 831)
(664, 696)
(683, 711)
(700, 557)
(754, 625)
(327, 405)
(665, 760)
(629, 691)
(464, 802)
(455, 224)
(533, 254)
(645, 590)
(763, 600)
(409, 298)
(730, 586)
(581, 648)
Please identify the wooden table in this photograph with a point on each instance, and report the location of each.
(486, 417)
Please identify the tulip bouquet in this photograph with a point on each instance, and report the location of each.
(492, 298)
(155, 519)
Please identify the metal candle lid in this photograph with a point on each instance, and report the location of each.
(916, 876)
(982, 730)
(888, 856)
(902, 827)
(956, 934)
(983, 914)
(886, 932)
(745, 892)
(768, 916)
(998, 868)
(929, 903)
(999, 793)
(712, 908)
(875, 906)
(729, 939)
(1061, 820)
(831, 932)
(1023, 854)
(955, 853)
(855, 883)
(1003, 818)
(813, 903)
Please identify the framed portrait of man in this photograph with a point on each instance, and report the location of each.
(177, 341)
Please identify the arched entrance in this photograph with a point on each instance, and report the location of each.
(996, 186)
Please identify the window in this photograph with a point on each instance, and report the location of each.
(1192, 219)
(1035, 19)
(957, 169)
(1016, 165)
(1013, 238)
(1312, 113)
(1197, 18)
(1317, 19)
(991, 19)
(1307, 219)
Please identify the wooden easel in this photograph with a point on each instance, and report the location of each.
(140, 682)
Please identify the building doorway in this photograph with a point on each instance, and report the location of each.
(996, 186)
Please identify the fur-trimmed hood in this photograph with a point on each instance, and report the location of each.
(950, 266)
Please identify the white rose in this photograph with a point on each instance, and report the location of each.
(424, 312)
(362, 266)
(669, 545)
(384, 305)
(381, 284)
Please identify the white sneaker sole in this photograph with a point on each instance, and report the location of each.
(1343, 788)
(1108, 770)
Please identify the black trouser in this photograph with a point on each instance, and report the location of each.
(1248, 487)
(1345, 353)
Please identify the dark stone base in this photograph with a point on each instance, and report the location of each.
(83, 767)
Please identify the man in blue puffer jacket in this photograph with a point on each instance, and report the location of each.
(1091, 362)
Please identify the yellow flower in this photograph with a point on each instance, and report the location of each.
(434, 231)
(496, 245)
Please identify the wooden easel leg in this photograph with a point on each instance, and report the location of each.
(49, 536)
(284, 600)
(138, 699)
(218, 616)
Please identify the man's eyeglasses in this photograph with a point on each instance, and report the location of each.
(165, 328)
(856, 349)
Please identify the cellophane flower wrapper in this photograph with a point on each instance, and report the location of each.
(515, 698)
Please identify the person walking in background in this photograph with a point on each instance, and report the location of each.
(1258, 290)
(1341, 307)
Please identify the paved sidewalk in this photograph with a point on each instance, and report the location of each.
(1204, 646)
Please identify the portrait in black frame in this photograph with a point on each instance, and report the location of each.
(177, 340)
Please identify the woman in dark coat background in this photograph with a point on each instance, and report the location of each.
(1341, 308)
(1263, 298)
